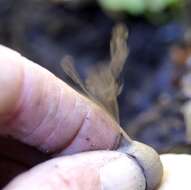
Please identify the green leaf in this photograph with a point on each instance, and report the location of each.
(135, 7)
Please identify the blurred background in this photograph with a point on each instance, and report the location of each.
(154, 105)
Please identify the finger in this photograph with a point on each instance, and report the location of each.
(41, 110)
(98, 170)
(177, 172)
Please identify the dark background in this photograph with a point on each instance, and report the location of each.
(45, 32)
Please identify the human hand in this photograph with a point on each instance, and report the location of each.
(177, 170)
(40, 110)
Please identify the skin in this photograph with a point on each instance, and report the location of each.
(40, 110)
(33, 103)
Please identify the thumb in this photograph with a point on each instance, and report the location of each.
(93, 170)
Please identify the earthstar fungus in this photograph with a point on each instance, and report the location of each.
(102, 86)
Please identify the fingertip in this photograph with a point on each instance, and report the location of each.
(41, 110)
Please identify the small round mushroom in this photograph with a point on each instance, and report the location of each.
(146, 157)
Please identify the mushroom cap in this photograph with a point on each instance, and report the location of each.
(147, 158)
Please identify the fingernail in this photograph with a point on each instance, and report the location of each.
(122, 174)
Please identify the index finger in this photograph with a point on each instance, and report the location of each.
(39, 109)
